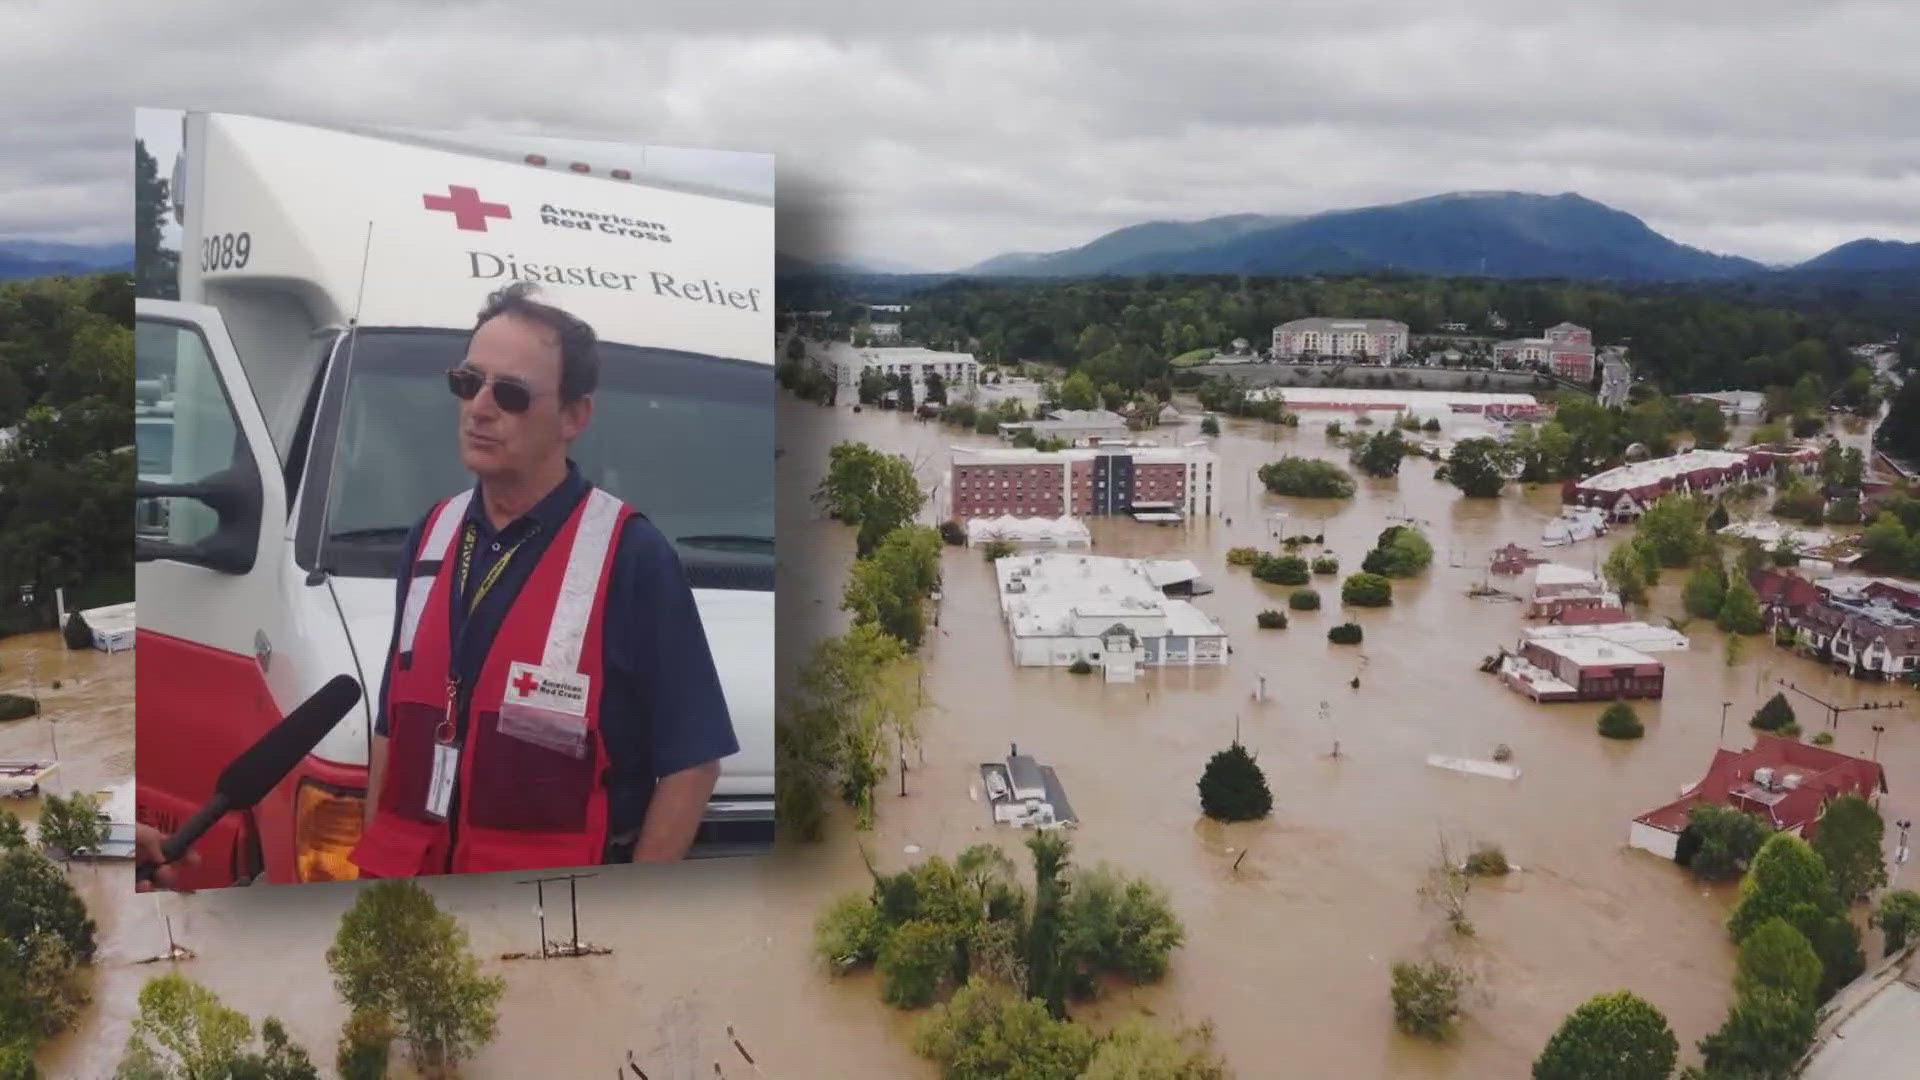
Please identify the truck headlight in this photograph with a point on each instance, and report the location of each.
(326, 826)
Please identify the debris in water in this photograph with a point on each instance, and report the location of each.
(1503, 753)
(1474, 768)
(913, 849)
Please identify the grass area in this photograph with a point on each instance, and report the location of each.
(1197, 356)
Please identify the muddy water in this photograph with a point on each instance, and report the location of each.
(1287, 956)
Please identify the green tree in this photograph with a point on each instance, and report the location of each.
(1623, 571)
(1137, 1050)
(41, 989)
(1402, 551)
(1077, 392)
(184, 1030)
(72, 825)
(1720, 841)
(1426, 997)
(1848, 840)
(1786, 873)
(1281, 570)
(917, 957)
(36, 897)
(1618, 1036)
(1209, 426)
(1307, 478)
(1777, 957)
(1674, 529)
(1740, 611)
(366, 1044)
(1480, 467)
(1835, 939)
(398, 955)
(887, 588)
(13, 835)
(875, 491)
(1619, 721)
(1345, 634)
(156, 267)
(1379, 455)
(850, 932)
(1116, 925)
(1774, 715)
(1366, 590)
(1049, 970)
(1898, 916)
(1764, 1037)
(1706, 591)
(987, 1032)
(1233, 787)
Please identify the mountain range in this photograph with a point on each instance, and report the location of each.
(41, 258)
(1506, 234)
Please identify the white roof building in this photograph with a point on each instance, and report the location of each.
(1422, 402)
(1060, 608)
(1639, 637)
(1062, 532)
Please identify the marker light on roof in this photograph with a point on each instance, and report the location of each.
(536, 159)
(622, 174)
(580, 166)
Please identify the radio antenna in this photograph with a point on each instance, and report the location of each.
(320, 569)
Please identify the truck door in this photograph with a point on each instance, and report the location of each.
(210, 529)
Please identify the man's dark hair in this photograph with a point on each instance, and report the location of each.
(579, 346)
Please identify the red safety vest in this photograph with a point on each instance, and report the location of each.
(521, 805)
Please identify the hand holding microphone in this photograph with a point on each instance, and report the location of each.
(247, 780)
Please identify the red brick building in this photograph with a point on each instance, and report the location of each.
(1783, 782)
(1181, 481)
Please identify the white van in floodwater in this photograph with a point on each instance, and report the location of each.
(295, 423)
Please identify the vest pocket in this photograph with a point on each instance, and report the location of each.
(410, 727)
(518, 785)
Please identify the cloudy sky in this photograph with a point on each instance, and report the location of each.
(1767, 128)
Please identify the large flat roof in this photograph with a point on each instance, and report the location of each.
(1411, 399)
(1592, 651)
(1642, 473)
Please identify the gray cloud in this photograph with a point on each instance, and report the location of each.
(1768, 128)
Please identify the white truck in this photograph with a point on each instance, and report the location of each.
(294, 423)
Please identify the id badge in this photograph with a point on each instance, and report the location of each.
(446, 766)
(546, 708)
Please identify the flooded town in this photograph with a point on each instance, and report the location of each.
(1379, 757)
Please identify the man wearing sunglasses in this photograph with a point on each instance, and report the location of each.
(549, 698)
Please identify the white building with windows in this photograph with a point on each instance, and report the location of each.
(845, 364)
(1377, 340)
(1061, 607)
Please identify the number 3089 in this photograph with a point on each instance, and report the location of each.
(225, 251)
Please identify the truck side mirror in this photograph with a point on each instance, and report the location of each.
(234, 496)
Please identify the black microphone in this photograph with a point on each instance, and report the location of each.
(249, 777)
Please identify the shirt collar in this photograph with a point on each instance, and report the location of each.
(549, 513)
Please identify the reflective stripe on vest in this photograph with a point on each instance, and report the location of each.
(434, 550)
(580, 587)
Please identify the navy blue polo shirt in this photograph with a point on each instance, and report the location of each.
(662, 709)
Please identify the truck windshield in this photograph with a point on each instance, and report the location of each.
(684, 438)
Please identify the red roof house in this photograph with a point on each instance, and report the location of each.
(1782, 595)
(1783, 782)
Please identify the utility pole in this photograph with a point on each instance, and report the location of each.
(1724, 706)
(1834, 711)
(1900, 852)
(1878, 730)
(540, 910)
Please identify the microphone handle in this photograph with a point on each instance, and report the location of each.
(175, 846)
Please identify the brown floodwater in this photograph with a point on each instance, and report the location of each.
(1287, 956)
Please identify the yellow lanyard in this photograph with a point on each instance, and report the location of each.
(493, 572)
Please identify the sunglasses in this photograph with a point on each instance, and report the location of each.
(509, 393)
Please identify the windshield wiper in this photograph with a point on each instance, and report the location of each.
(383, 532)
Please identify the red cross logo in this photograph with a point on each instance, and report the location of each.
(526, 683)
(469, 212)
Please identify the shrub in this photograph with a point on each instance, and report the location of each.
(1401, 551)
(1281, 570)
(1271, 620)
(1345, 634)
(1233, 787)
(1824, 738)
(1488, 861)
(1618, 1036)
(366, 1043)
(1326, 564)
(995, 550)
(1242, 556)
(1719, 841)
(1898, 916)
(1426, 997)
(1080, 667)
(1621, 722)
(952, 532)
(1304, 600)
(1308, 478)
(78, 634)
(1789, 731)
(18, 706)
(1366, 590)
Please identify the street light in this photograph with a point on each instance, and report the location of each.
(1877, 730)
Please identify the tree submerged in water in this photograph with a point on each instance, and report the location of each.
(1233, 787)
